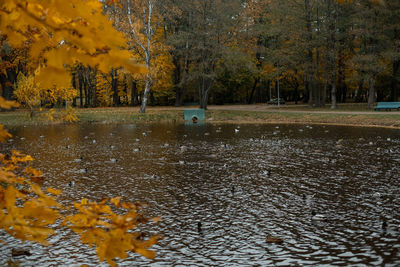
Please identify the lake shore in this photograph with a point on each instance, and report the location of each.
(350, 115)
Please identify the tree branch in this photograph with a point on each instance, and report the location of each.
(133, 29)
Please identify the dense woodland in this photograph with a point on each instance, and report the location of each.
(86, 54)
(320, 52)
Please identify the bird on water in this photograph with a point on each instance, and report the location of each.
(317, 217)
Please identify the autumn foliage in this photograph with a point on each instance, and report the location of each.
(30, 212)
(61, 33)
(58, 34)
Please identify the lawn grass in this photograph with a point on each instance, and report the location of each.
(357, 119)
(361, 107)
(126, 115)
(171, 114)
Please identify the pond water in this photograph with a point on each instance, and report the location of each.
(280, 173)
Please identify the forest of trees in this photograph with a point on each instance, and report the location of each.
(320, 52)
(86, 53)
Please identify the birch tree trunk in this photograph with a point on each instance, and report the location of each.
(145, 46)
(145, 94)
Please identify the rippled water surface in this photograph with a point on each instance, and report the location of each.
(279, 173)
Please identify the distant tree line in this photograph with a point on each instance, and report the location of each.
(320, 52)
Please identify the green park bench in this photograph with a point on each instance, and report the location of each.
(387, 105)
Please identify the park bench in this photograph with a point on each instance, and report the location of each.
(387, 105)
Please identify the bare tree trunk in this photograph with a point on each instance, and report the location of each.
(341, 78)
(296, 93)
(204, 100)
(256, 80)
(80, 79)
(371, 93)
(309, 67)
(333, 58)
(177, 81)
(333, 92)
(334, 78)
(324, 93)
(114, 86)
(180, 89)
(7, 82)
(395, 80)
(74, 86)
(204, 89)
(359, 91)
(318, 83)
(94, 89)
(133, 92)
(86, 88)
(278, 85)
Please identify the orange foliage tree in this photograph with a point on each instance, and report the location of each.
(62, 32)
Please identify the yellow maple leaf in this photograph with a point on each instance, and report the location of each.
(37, 189)
(54, 191)
(33, 172)
(115, 201)
(145, 252)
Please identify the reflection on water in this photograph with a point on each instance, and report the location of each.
(240, 184)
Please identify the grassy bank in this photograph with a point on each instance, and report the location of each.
(98, 115)
(375, 120)
(215, 115)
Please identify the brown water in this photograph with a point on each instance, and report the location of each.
(356, 185)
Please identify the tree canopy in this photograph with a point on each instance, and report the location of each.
(311, 51)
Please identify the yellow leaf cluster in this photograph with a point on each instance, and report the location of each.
(49, 115)
(70, 115)
(99, 226)
(27, 212)
(27, 92)
(104, 90)
(30, 94)
(162, 73)
(35, 212)
(61, 33)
